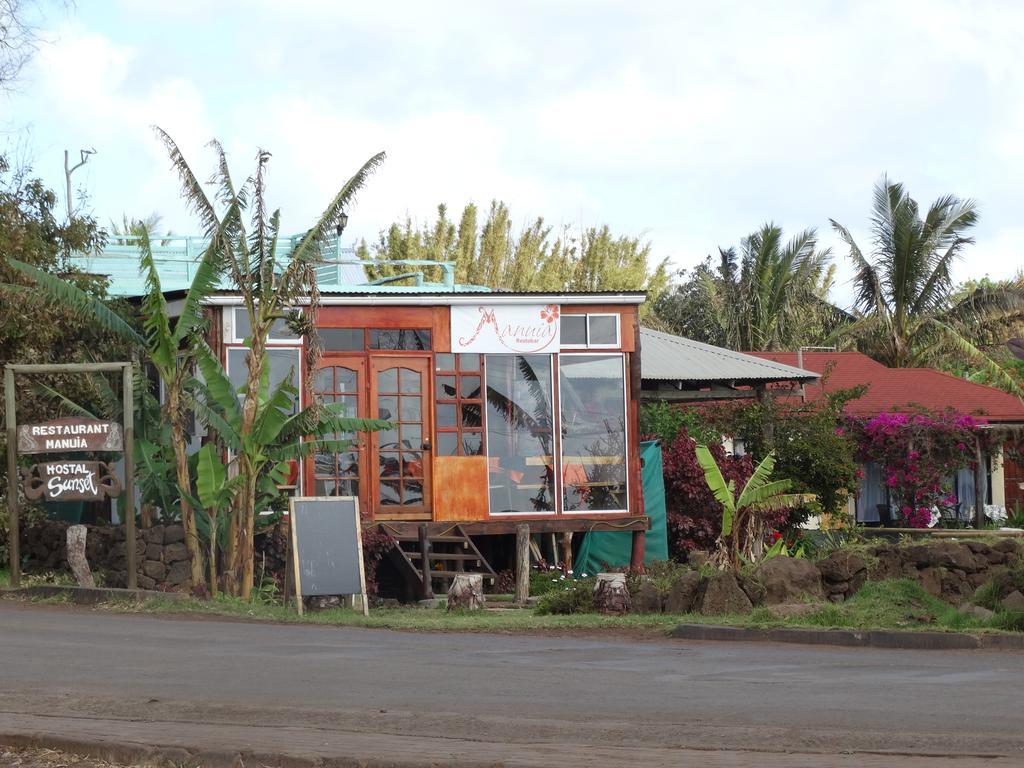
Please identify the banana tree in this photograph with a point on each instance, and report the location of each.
(743, 527)
(260, 457)
(166, 341)
(270, 289)
(214, 490)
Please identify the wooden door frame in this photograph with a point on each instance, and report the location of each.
(422, 363)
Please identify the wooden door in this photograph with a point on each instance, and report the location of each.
(342, 379)
(400, 457)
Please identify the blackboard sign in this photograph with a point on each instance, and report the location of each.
(327, 547)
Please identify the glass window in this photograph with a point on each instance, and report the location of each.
(574, 330)
(279, 331)
(400, 339)
(341, 339)
(603, 330)
(520, 444)
(592, 391)
(284, 362)
(337, 473)
(459, 405)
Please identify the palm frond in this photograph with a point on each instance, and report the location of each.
(191, 189)
(78, 301)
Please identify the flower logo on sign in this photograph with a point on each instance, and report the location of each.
(549, 313)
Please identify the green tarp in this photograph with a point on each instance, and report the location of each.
(601, 551)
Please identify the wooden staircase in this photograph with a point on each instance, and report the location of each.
(431, 560)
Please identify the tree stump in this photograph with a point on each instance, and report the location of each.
(76, 556)
(611, 595)
(466, 591)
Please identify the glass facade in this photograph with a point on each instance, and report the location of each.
(520, 434)
(592, 397)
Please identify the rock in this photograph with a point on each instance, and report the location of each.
(955, 586)
(787, 579)
(154, 551)
(842, 565)
(976, 611)
(752, 588)
(837, 588)
(953, 555)
(920, 555)
(154, 569)
(979, 578)
(837, 597)
(1007, 546)
(154, 535)
(723, 595)
(145, 582)
(648, 599)
(793, 610)
(683, 595)
(696, 559)
(1014, 601)
(931, 580)
(611, 595)
(978, 548)
(174, 533)
(179, 574)
(175, 552)
(995, 557)
(887, 564)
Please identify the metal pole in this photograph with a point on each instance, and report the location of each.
(128, 508)
(13, 536)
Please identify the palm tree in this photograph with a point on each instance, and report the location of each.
(906, 311)
(770, 295)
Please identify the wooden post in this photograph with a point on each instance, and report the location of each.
(764, 397)
(636, 557)
(567, 552)
(13, 536)
(426, 590)
(522, 563)
(128, 508)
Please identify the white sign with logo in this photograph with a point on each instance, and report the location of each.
(520, 329)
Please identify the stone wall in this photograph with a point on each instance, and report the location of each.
(160, 555)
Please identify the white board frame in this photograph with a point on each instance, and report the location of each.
(293, 525)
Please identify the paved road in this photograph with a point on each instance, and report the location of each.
(522, 700)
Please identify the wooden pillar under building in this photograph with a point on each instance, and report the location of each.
(522, 563)
(638, 553)
(980, 484)
(426, 590)
(128, 495)
(567, 552)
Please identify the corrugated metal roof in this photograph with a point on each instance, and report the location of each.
(666, 357)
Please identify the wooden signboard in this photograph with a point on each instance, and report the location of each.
(327, 548)
(72, 480)
(70, 434)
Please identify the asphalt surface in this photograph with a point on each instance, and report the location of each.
(465, 699)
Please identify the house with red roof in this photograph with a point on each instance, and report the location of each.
(904, 389)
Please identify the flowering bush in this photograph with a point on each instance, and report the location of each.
(694, 515)
(917, 452)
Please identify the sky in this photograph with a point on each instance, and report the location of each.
(689, 124)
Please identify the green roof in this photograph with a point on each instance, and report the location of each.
(340, 271)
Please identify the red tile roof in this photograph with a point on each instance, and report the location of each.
(895, 389)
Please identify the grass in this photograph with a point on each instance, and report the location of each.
(899, 604)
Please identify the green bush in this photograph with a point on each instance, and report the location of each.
(572, 596)
(1011, 621)
(542, 582)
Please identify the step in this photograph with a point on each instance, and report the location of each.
(443, 556)
(435, 539)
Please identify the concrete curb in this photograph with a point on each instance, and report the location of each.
(130, 753)
(875, 638)
(89, 595)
